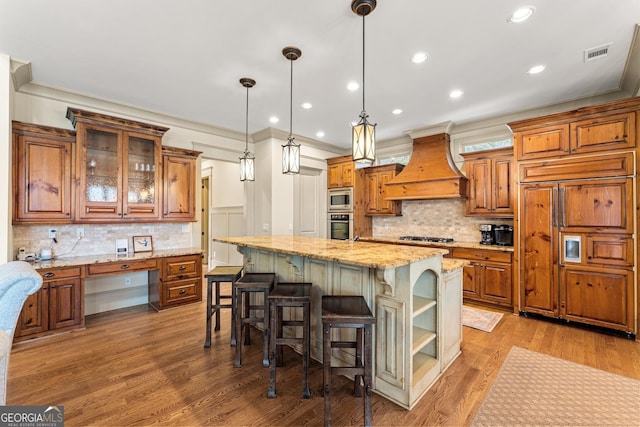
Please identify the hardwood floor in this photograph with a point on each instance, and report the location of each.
(138, 367)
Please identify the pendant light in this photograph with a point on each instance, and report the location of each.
(364, 133)
(247, 164)
(291, 151)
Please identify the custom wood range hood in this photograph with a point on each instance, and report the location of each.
(430, 173)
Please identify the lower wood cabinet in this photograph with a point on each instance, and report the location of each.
(488, 277)
(179, 282)
(56, 307)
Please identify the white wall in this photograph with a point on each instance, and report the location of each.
(6, 99)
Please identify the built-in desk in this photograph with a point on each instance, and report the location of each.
(174, 279)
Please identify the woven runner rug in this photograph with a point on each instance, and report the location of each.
(533, 389)
(480, 319)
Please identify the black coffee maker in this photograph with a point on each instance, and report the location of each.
(486, 234)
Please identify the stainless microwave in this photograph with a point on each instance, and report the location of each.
(340, 200)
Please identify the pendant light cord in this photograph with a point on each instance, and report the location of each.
(363, 50)
(291, 102)
(246, 126)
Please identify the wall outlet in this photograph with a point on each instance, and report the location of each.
(127, 281)
(52, 233)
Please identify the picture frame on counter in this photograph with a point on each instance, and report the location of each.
(142, 244)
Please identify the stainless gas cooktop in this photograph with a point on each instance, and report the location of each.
(427, 239)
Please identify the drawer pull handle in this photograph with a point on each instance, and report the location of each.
(182, 292)
(181, 276)
(47, 275)
(124, 266)
(182, 267)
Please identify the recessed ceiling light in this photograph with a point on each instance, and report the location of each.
(353, 86)
(521, 15)
(455, 93)
(307, 105)
(419, 57)
(397, 111)
(274, 119)
(320, 134)
(537, 69)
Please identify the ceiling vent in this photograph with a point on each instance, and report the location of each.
(596, 52)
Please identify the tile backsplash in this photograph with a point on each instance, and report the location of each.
(99, 238)
(437, 218)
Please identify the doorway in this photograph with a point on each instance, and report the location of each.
(204, 219)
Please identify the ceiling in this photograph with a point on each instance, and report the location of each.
(185, 58)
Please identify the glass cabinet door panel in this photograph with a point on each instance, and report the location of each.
(101, 166)
(141, 173)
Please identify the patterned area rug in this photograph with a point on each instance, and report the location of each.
(480, 319)
(533, 389)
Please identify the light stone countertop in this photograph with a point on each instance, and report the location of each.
(361, 253)
(470, 245)
(105, 258)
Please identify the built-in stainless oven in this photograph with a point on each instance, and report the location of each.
(340, 200)
(340, 226)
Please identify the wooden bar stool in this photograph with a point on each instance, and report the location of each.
(346, 311)
(220, 274)
(289, 295)
(242, 288)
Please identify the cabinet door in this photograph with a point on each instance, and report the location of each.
(602, 297)
(386, 206)
(612, 132)
(496, 283)
(179, 183)
(373, 191)
(470, 282)
(99, 172)
(479, 174)
(65, 303)
(549, 141)
(502, 189)
(334, 173)
(538, 250)
(42, 184)
(606, 205)
(347, 174)
(142, 160)
(34, 317)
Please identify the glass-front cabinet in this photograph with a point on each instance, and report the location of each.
(119, 167)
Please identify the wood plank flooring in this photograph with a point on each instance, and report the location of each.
(137, 367)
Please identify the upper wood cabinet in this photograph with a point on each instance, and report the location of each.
(42, 174)
(340, 172)
(376, 177)
(492, 183)
(586, 130)
(179, 184)
(118, 166)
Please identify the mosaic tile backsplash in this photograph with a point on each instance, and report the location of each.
(437, 218)
(99, 238)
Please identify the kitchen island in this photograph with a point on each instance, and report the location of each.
(415, 296)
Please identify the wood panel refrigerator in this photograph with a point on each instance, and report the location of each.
(576, 249)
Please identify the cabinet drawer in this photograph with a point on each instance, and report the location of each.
(49, 274)
(181, 291)
(181, 267)
(481, 255)
(121, 267)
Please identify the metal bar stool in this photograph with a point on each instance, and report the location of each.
(218, 275)
(345, 311)
(242, 288)
(289, 295)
